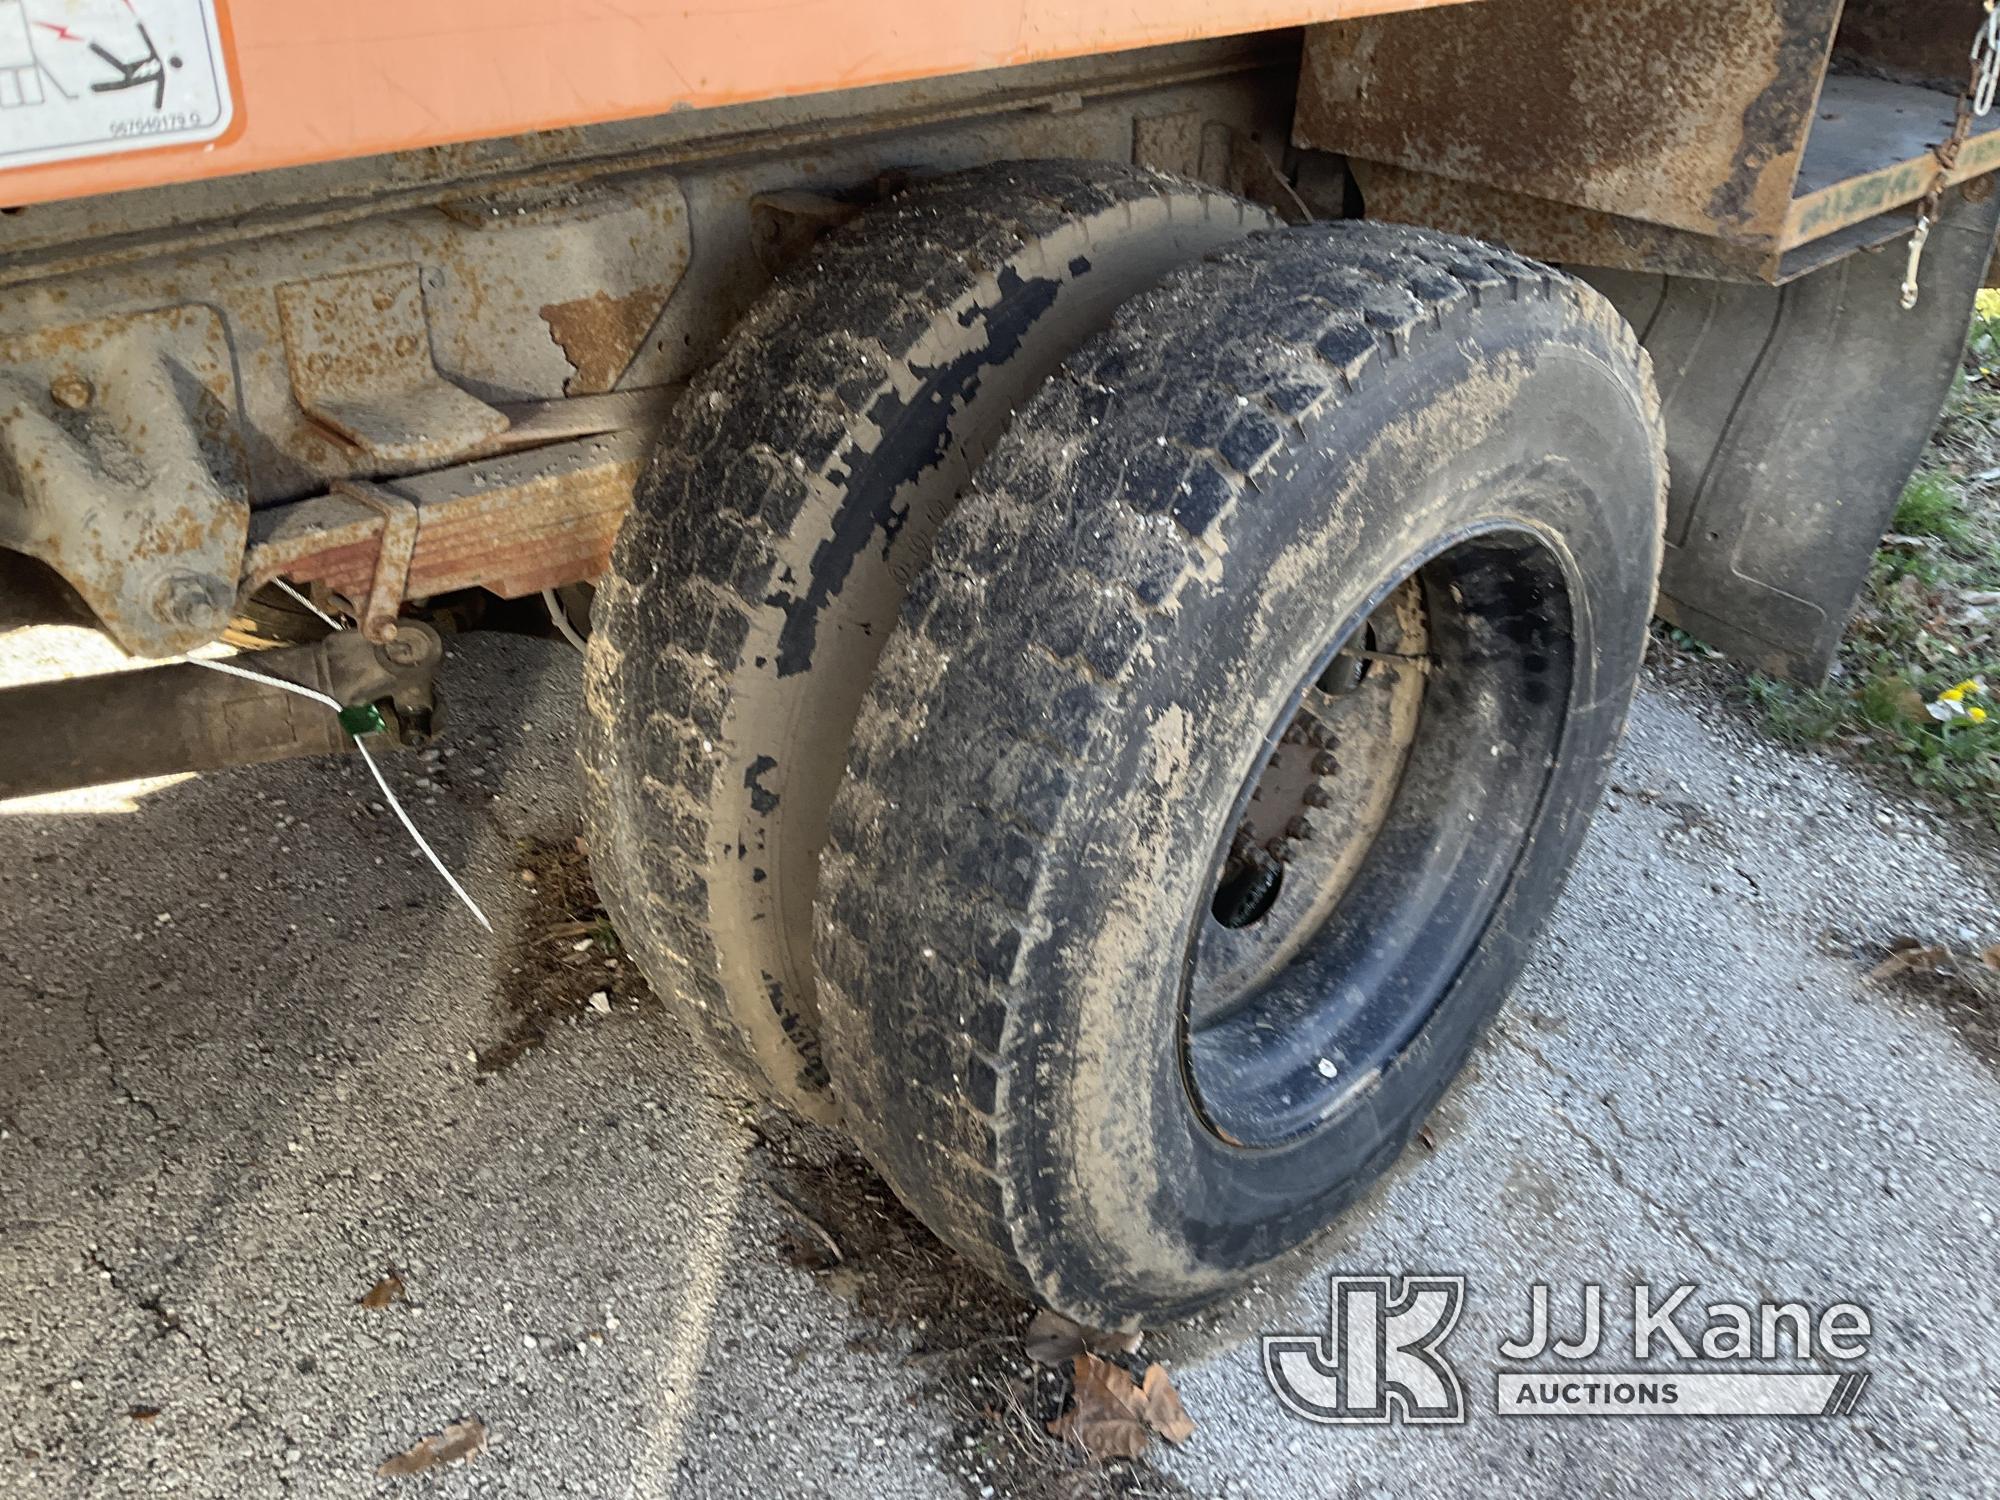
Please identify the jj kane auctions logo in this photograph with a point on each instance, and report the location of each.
(1381, 1357)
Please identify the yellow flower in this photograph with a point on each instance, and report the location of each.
(1952, 695)
(1977, 715)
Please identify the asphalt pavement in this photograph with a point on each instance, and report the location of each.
(256, 1064)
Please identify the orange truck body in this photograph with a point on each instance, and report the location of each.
(312, 82)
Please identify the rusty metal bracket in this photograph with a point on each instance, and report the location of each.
(122, 467)
(784, 224)
(1532, 123)
(359, 350)
(395, 546)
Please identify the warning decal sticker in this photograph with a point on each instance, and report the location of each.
(87, 77)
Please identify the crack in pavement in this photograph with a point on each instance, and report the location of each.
(1671, 1217)
(118, 1083)
(167, 1322)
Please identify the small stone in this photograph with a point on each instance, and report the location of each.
(71, 392)
(601, 1003)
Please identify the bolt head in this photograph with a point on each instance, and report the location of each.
(403, 649)
(194, 601)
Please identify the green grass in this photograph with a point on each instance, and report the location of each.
(1932, 506)
(1930, 618)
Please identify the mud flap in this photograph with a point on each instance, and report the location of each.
(1795, 416)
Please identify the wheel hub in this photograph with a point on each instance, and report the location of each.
(1375, 836)
(1317, 804)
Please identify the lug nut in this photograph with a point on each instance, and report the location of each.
(1316, 797)
(1324, 763)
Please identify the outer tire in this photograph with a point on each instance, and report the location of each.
(1146, 566)
(792, 499)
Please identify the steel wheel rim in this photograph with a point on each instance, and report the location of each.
(1286, 1027)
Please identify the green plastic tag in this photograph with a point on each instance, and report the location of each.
(363, 718)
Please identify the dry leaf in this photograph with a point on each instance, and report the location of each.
(1164, 1412)
(385, 1291)
(1054, 1340)
(1107, 1418)
(142, 1413)
(460, 1440)
(1991, 956)
(1907, 955)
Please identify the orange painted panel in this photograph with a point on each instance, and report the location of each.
(320, 80)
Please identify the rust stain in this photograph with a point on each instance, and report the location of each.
(1555, 231)
(142, 517)
(600, 334)
(1686, 113)
(526, 531)
(1775, 122)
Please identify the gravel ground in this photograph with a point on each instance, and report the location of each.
(240, 1032)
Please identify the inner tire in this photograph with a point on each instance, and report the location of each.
(1338, 456)
(794, 495)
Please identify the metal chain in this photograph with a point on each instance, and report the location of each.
(1975, 103)
(1986, 62)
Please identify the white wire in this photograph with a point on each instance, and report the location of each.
(429, 853)
(557, 614)
(268, 681)
(380, 780)
(330, 620)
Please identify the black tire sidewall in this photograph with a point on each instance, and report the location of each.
(1530, 415)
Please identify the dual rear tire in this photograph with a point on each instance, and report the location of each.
(1217, 752)
(794, 498)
